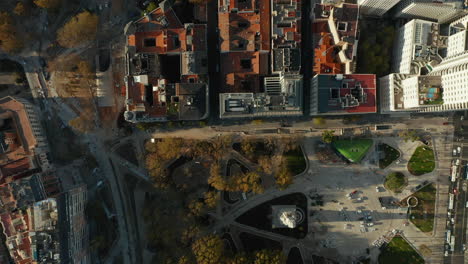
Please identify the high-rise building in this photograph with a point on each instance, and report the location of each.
(417, 45)
(376, 7)
(391, 92)
(73, 228)
(440, 11)
(444, 86)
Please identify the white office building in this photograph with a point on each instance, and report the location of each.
(453, 74)
(376, 7)
(417, 45)
(391, 92)
(441, 11)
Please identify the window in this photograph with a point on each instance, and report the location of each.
(242, 24)
(342, 26)
(246, 63)
(150, 42)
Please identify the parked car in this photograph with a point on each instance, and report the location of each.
(458, 150)
(454, 152)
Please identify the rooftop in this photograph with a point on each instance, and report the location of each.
(286, 35)
(163, 55)
(282, 97)
(346, 94)
(335, 31)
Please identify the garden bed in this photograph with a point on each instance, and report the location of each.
(422, 216)
(399, 251)
(390, 155)
(395, 182)
(295, 160)
(422, 161)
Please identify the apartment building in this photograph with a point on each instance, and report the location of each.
(260, 44)
(335, 30)
(166, 68)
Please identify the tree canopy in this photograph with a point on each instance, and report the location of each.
(9, 40)
(49, 4)
(80, 29)
(328, 136)
(208, 249)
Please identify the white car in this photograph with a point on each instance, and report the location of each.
(458, 150)
(454, 152)
(457, 162)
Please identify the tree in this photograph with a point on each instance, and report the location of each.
(265, 163)
(284, 177)
(9, 40)
(151, 6)
(82, 124)
(247, 182)
(196, 208)
(80, 29)
(319, 121)
(328, 136)
(216, 179)
(184, 260)
(49, 4)
(267, 256)
(208, 249)
(19, 9)
(189, 234)
(239, 258)
(211, 198)
(409, 135)
(248, 148)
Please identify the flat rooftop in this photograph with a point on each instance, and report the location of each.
(346, 94)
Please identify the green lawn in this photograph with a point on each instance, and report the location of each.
(395, 182)
(390, 155)
(353, 149)
(422, 161)
(422, 216)
(295, 160)
(399, 251)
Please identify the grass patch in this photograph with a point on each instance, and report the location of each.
(353, 150)
(422, 216)
(399, 251)
(295, 160)
(422, 161)
(395, 182)
(390, 155)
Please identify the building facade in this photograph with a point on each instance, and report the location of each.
(417, 46)
(440, 11)
(376, 7)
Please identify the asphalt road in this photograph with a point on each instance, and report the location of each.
(213, 59)
(459, 228)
